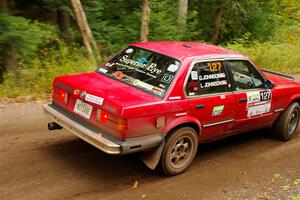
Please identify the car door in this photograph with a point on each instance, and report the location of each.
(210, 97)
(254, 102)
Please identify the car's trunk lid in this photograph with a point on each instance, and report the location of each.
(116, 94)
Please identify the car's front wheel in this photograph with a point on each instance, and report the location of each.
(179, 151)
(285, 127)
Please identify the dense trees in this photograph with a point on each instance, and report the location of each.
(28, 27)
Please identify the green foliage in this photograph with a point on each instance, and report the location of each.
(163, 21)
(282, 57)
(281, 51)
(50, 62)
(296, 197)
(256, 17)
(114, 23)
(24, 34)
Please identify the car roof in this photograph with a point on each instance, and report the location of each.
(182, 50)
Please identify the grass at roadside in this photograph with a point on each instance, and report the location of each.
(296, 197)
(283, 57)
(37, 79)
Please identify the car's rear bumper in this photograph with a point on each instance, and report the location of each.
(97, 137)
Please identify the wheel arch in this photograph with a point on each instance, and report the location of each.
(293, 99)
(183, 122)
(296, 100)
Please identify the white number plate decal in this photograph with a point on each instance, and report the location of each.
(258, 102)
(83, 109)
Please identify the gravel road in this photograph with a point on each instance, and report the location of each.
(38, 164)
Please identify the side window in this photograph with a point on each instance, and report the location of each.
(245, 75)
(207, 78)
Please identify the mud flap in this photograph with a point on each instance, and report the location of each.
(152, 157)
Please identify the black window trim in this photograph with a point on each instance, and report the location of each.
(233, 89)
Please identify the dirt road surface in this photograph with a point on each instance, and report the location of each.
(38, 164)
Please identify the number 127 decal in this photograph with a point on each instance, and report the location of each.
(265, 95)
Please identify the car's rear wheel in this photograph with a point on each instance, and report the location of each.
(285, 127)
(179, 151)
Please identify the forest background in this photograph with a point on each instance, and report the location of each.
(40, 39)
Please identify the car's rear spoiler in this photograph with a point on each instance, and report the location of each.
(277, 73)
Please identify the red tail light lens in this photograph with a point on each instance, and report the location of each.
(102, 116)
(63, 96)
(111, 120)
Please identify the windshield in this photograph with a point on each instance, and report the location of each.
(143, 69)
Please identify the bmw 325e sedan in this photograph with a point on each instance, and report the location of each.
(165, 98)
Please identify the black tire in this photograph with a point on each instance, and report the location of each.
(179, 151)
(285, 127)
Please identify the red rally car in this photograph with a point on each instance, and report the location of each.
(165, 98)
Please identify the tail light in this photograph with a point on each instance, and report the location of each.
(63, 96)
(76, 92)
(102, 116)
(110, 120)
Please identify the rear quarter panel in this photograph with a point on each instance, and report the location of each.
(158, 118)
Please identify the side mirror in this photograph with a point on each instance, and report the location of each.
(269, 84)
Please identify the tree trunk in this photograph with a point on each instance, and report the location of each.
(145, 21)
(63, 18)
(182, 14)
(10, 61)
(3, 6)
(217, 22)
(86, 33)
(9, 52)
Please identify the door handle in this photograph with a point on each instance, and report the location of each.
(242, 100)
(200, 106)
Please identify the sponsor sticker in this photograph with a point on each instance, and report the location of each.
(152, 68)
(172, 68)
(175, 98)
(217, 110)
(94, 99)
(103, 70)
(259, 109)
(145, 85)
(136, 82)
(108, 64)
(167, 78)
(253, 97)
(129, 51)
(194, 75)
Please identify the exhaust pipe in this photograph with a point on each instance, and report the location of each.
(53, 126)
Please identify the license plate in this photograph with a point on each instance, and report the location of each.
(83, 109)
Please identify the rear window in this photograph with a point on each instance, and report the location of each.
(207, 78)
(143, 69)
